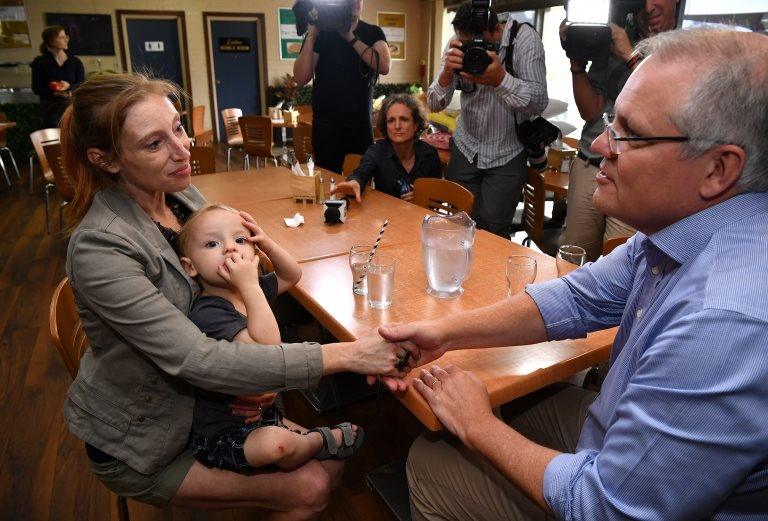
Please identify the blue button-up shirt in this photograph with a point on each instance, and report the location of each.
(680, 428)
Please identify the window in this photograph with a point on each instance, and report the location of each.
(743, 15)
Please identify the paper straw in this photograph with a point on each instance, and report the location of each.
(370, 256)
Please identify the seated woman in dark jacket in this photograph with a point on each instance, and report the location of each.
(396, 162)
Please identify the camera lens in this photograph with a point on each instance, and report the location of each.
(475, 61)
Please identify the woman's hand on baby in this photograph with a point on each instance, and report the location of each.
(251, 406)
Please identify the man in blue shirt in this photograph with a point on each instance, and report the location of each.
(678, 430)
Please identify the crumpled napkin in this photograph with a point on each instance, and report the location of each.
(295, 221)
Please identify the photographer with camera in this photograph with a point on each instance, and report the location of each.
(487, 156)
(344, 55)
(595, 91)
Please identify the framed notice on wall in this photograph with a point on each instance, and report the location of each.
(14, 30)
(290, 42)
(393, 25)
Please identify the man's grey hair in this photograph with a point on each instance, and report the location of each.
(728, 101)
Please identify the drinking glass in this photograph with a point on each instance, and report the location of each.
(381, 281)
(569, 254)
(358, 256)
(520, 270)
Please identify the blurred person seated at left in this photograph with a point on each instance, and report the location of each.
(396, 161)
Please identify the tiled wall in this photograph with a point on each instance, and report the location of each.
(418, 20)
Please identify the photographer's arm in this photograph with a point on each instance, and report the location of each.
(440, 92)
(304, 66)
(526, 91)
(588, 100)
(368, 55)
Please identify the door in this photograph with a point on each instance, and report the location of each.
(154, 48)
(236, 67)
(154, 43)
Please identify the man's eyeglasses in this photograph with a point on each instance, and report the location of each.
(618, 143)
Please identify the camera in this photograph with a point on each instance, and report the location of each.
(589, 37)
(326, 15)
(476, 59)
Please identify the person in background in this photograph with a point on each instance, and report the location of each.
(487, 156)
(678, 428)
(132, 400)
(595, 91)
(55, 74)
(343, 66)
(395, 162)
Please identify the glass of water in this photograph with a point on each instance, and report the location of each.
(568, 255)
(520, 270)
(358, 256)
(381, 281)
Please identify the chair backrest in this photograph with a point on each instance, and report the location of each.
(612, 244)
(442, 196)
(303, 109)
(257, 135)
(198, 115)
(64, 186)
(232, 125)
(3, 133)
(302, 141)
(351, 162)
(304, 118)
(66, 327)
(533, 205)
(571, 142)
(202, 160)
(39, 139)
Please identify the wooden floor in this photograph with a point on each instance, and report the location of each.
(44, 473)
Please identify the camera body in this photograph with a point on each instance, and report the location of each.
(589, 37)
(476, 59)
(326, 15)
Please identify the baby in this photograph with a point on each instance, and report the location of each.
(221, 247)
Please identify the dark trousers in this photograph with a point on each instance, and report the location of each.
(497, 190)
(52, 110)
(331, 143)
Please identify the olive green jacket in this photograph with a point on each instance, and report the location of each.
(133, 395)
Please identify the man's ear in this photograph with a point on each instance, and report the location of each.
(186, 263)
(99, 158)
(725, 168)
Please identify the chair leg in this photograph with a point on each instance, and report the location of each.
(122, 509)
(31, 173)
(13, 160)
(229, 154)
(47, 193)
(5, 172)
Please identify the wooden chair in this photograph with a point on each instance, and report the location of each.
(351, 162)
(4, 147)
(200, 136)
(232, 129)
(612, 244)
(39, 139)
(202, 160)
(64, 186)
(302, 141)
(69, 338)
(442, 196)
(257, 139)
(533, 215)
(571, 142)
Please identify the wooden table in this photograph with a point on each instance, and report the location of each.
(325, 287)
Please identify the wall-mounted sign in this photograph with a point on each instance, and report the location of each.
(290, 42)
(393, 25)
(14, 30)
(234, 45)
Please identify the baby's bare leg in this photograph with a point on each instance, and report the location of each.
(279, 446)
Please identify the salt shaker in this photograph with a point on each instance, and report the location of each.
(331, 188)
